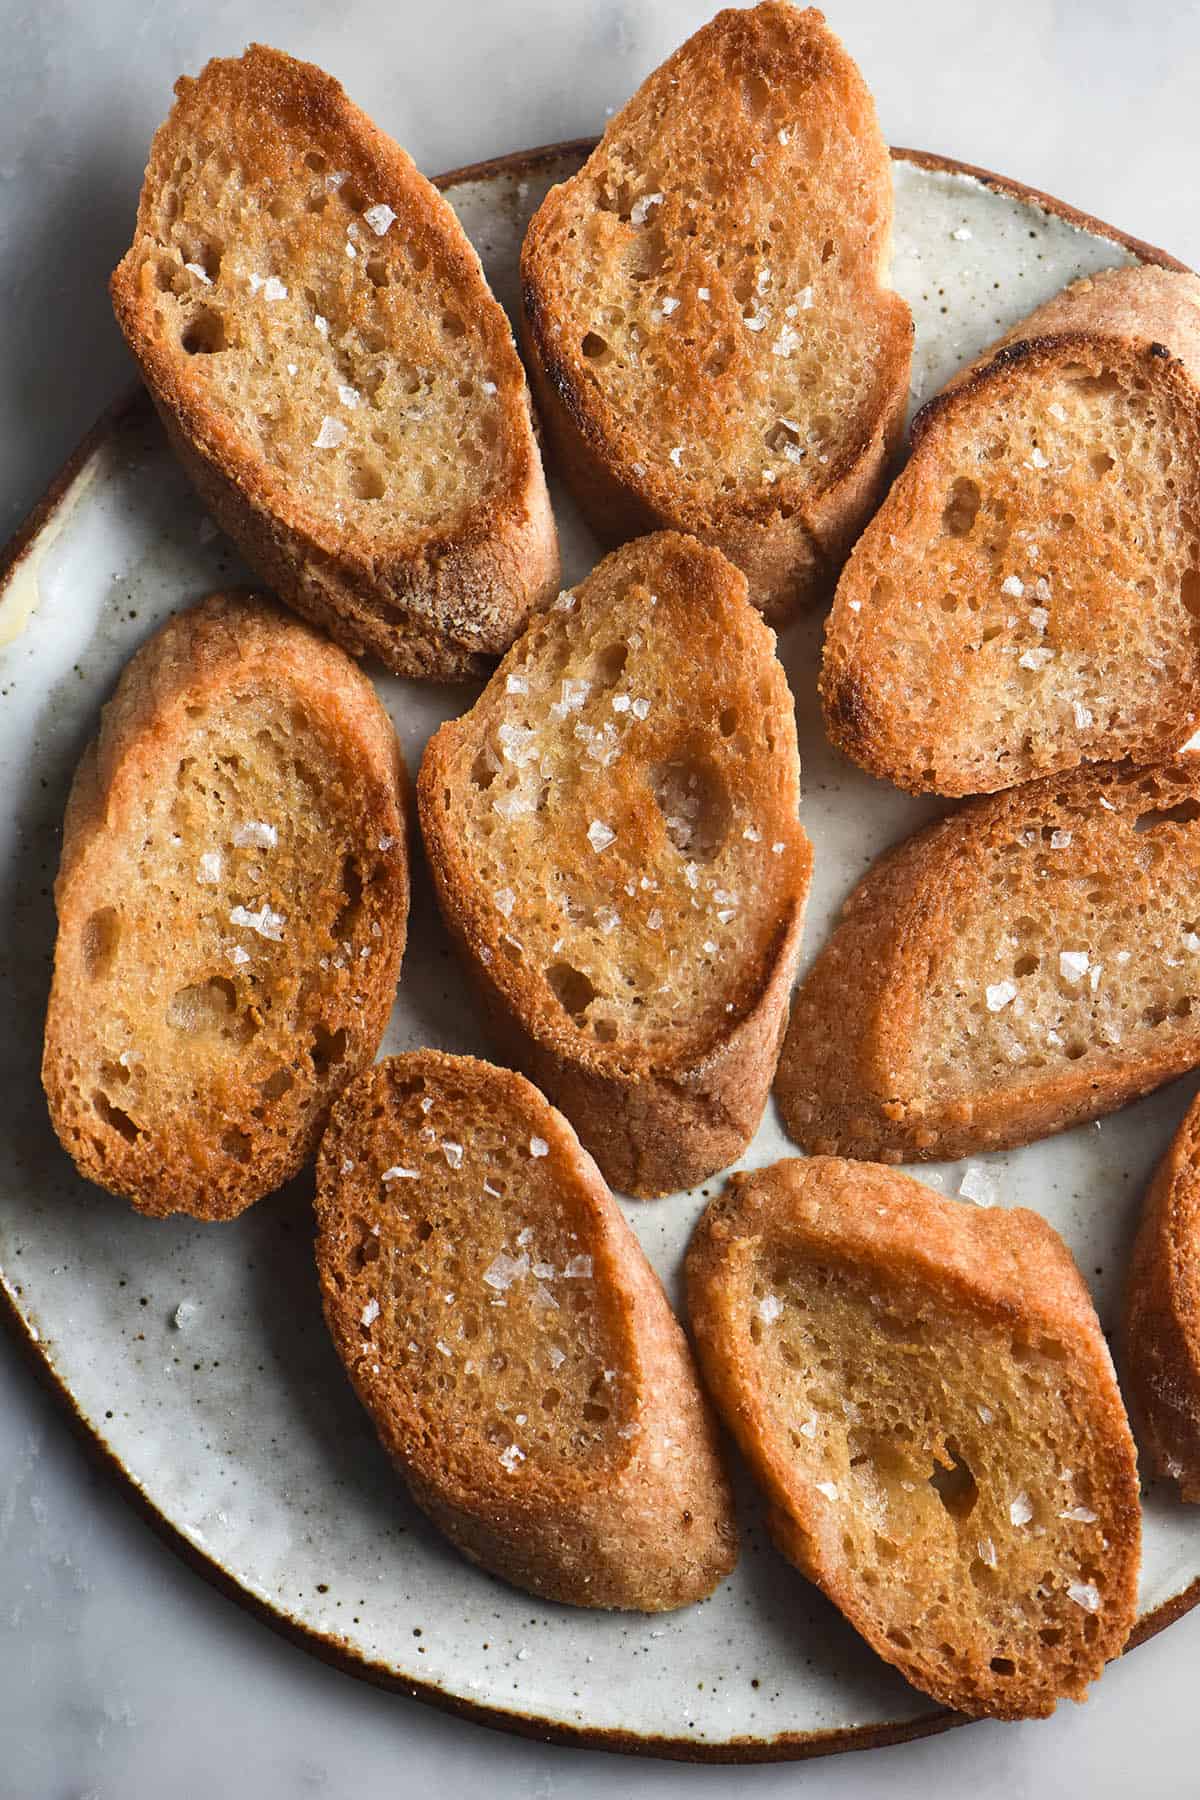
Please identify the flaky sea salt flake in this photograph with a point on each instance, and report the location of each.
(639, 212)
(978, 1184)
(331, 434)
(503, 1270)
(256, 834)
(267, 923)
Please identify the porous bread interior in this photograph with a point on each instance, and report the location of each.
(370, 348)
(953, 1449)
(491, 1327)
(1120, 890)
(243, 1028)
(1058, 580)
(647, 937)
(719, 268)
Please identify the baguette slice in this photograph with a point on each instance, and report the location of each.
(613, 838)
(705, 312)
(513, 1346)
(1160, 1360)
(925, 1394)
(232, 903)
(1029, 962)
(1028, 596)
(334, 372)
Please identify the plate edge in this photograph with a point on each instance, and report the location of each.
(786, 1747)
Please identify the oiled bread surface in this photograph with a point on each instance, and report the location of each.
(1160, 1328)
(923, 1391)
(511, 1343)
(1029, 962)
(333, 370)
(613, 837)
(232, 905)
(1028, 596)
(709, 329)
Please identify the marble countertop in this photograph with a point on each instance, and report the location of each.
(122, 1675)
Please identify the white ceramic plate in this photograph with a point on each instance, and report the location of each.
(195, 1356)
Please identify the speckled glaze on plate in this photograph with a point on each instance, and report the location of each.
(194, 1357)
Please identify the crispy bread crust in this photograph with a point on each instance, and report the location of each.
(193, 657)
(790, 539)
(1145, 320)
(846, 1083)
(1160, 1334)
(996, 1267)
(655, 1121)
(653, 1132)
(444, 603)
(654, 1528)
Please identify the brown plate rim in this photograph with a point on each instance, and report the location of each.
(786, 1746)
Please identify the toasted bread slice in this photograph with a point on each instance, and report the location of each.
(511, 1343)
(1028, 596)
(613, 838)
(333, 371)
(232, 904)
(1160, 1361)
(925, 1394)
(1029, 962)
(709, 334)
